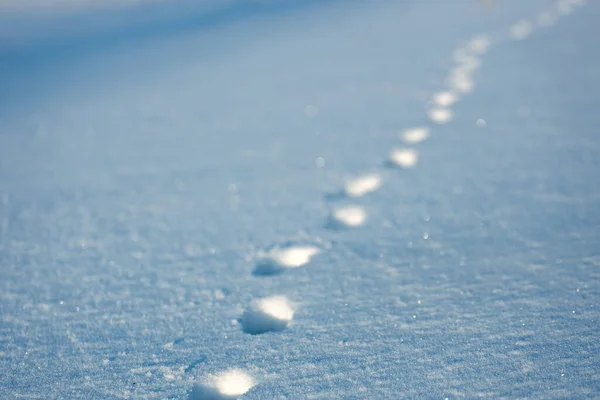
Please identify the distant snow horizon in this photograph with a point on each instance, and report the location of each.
(25, 23)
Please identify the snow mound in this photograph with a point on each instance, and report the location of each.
(280, 259)
(521, 30)
(269, 314)
(415, 135)
(444, 99)
(362, 185)
(404, 158)
(440, 115)
(349, 216)
(227, 385)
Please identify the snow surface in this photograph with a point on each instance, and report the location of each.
(362, 185)
(270, 314)
(152, 155)
(416, 135)
(226, 385)
(404, 158)
(279, 259)
(349, 216)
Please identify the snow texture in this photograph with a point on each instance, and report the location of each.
(299, 199)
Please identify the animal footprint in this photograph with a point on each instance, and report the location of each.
(279, 259)
(269, 314)
(228, 385)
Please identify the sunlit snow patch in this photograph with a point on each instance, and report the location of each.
(280, 259)
(348, 216)
(270, 314)
(521, 30)
(444, 99)
(440, 115)
(404, 158)
(227, 385)
(415, 135)
(362, 185)
(470, 63)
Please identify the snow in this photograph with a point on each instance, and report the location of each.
(469, 64)
(269, 314)
(460, 80)
(521, 30)
(445, 99)
(362, 185)
(440, 115)
(279, 259)
(311, 111)
(404, 158)
(147, 173)
(415, 135)
(226, 385)
(349, 216)
(480, 44)
(564, 7)
(546, 19)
